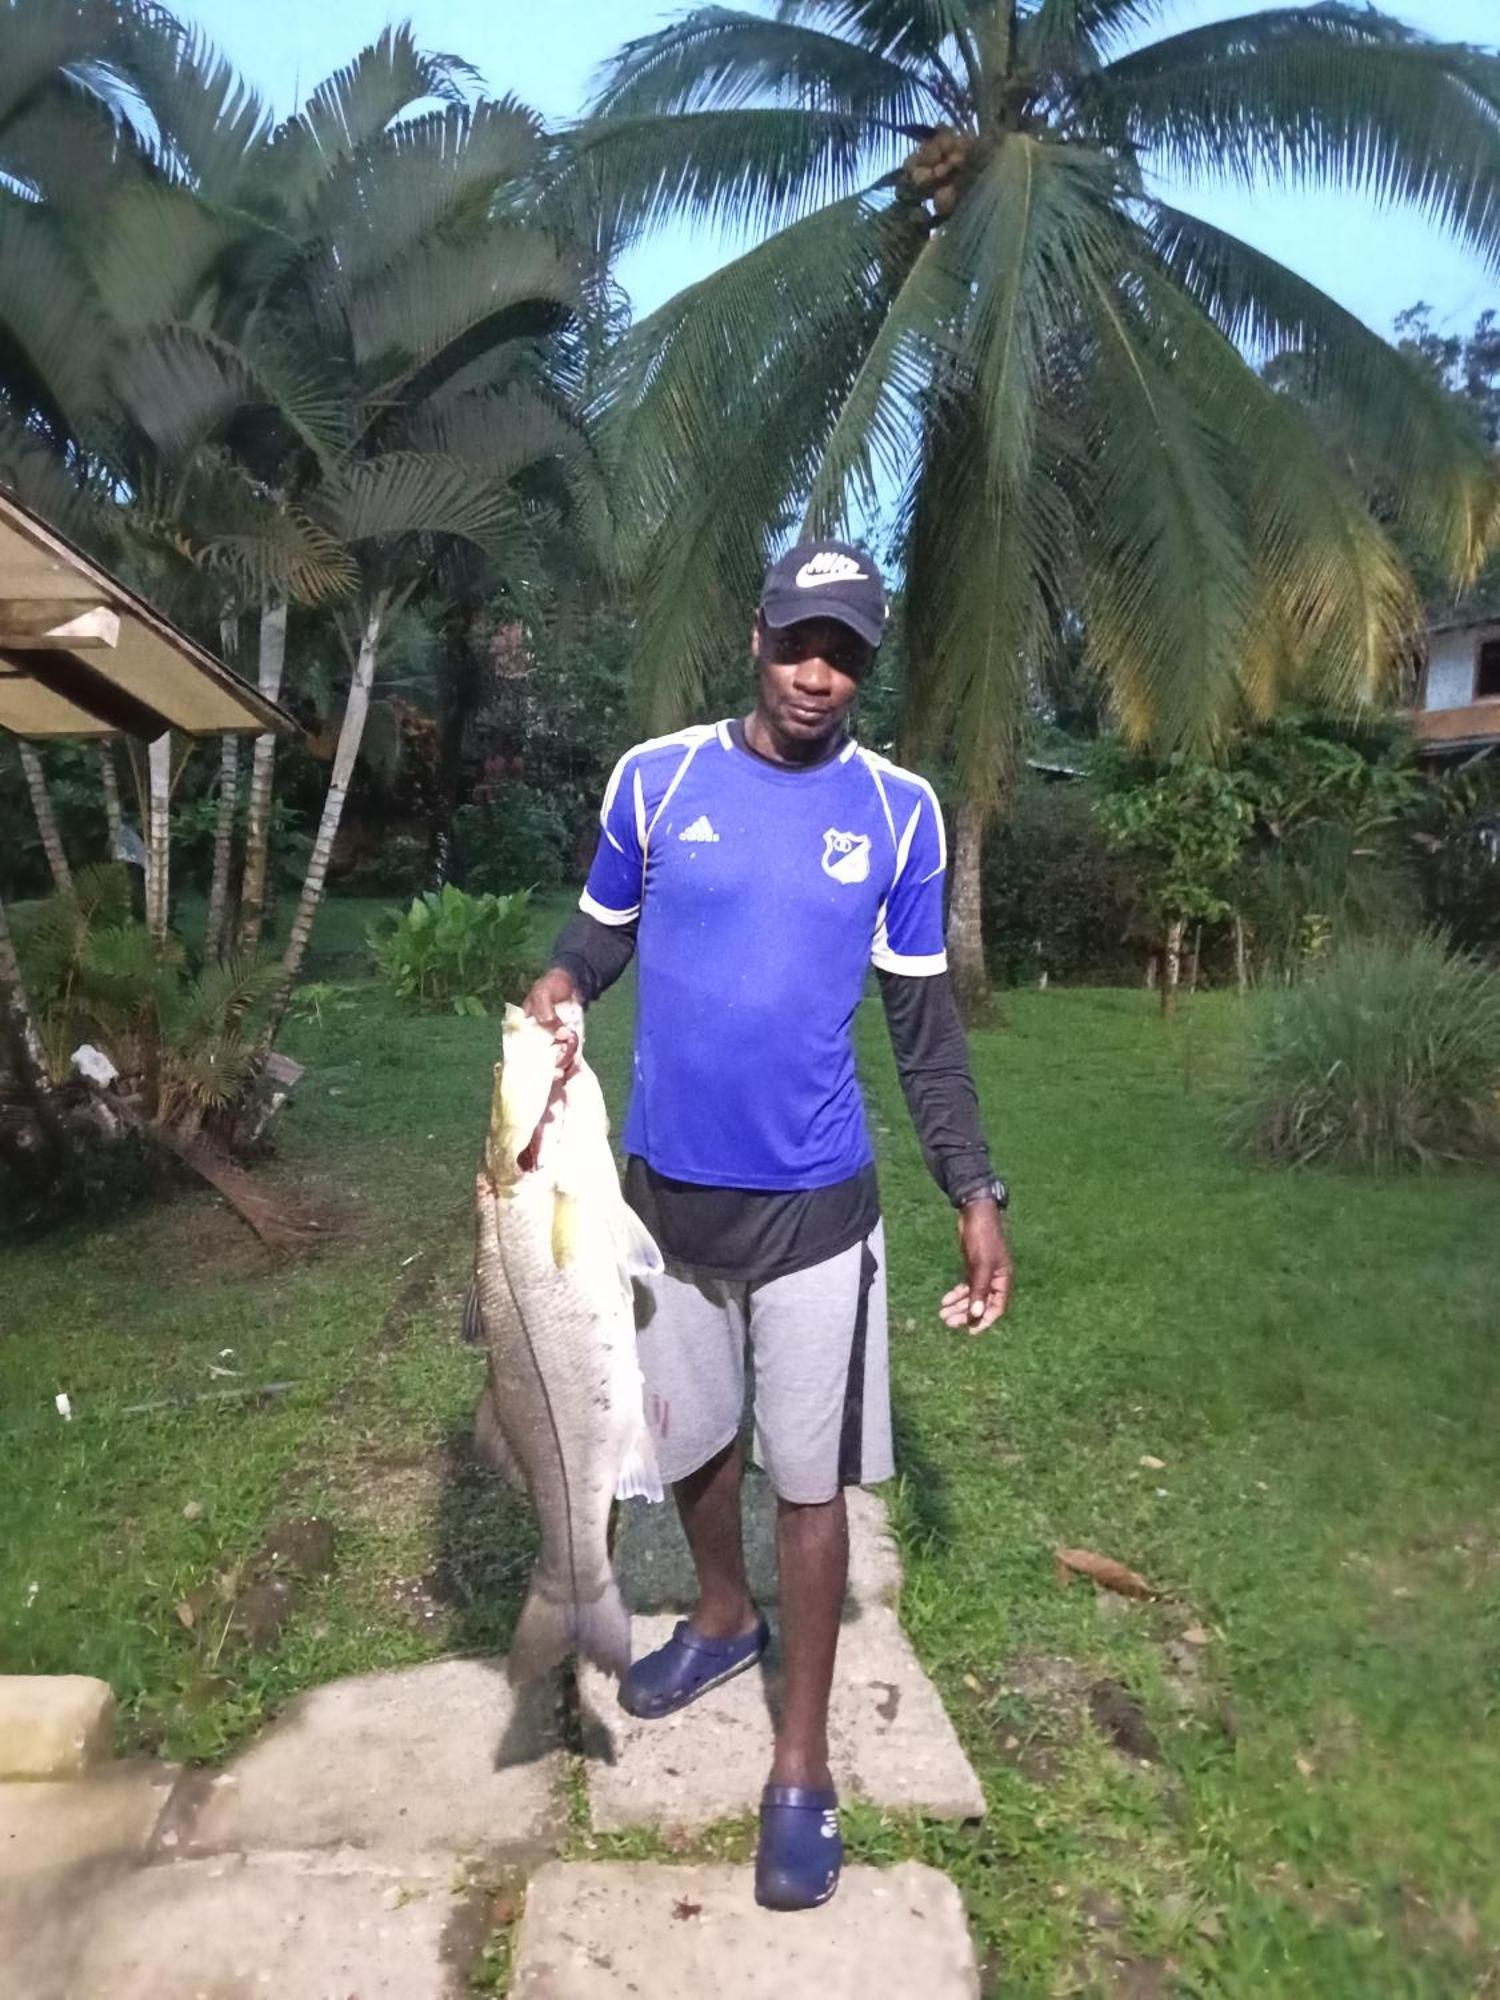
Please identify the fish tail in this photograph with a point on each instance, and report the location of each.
(550, 1628)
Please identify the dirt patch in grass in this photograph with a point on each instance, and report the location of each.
(1034, 1711)
(248, 1605)
(469, 1540)
(396, 1495)
(416, 1291)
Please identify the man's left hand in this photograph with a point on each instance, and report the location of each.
(980, 1302)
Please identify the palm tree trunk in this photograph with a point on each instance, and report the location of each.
(159, 839)
(971, 983)
(262, 773)
(214, 939)
(20, 1021)
(22, 1046)
(460, 686)
(110, 779)
(46, 820)
(1171, 970)
(218, 894)
(351, 732)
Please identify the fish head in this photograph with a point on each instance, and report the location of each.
(526, 1084)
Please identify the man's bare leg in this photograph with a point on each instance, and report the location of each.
(708, 1502)
(812, 1550)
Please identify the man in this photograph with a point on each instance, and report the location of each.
(759, 867)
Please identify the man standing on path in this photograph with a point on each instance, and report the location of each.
(760, 867)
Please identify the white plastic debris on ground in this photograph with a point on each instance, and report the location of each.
(95, 1065)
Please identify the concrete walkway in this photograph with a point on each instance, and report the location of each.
(350, 1852)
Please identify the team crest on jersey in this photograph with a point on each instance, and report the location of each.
(846, 856)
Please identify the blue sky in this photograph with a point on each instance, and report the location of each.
(546, 51)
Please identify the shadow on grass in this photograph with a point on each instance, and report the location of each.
(485, 1545)
(919, 1508)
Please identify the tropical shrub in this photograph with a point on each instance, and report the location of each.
(396, 868)
(517, 840)
(1182, 824)
(182, 1041)
(1329, 860)
(450, 949)
(1388, 1056)
(1456, 834)
(1057, 899)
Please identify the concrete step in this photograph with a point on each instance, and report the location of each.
(426, 1761)
(290, 1926)
(891, 1740)
(600, 1930)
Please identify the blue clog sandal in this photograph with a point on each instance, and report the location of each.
(801, 1855)
(688, 1666)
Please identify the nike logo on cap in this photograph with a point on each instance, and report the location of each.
(830, 567)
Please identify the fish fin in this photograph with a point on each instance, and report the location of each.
(474, 1332)
(564, 1230)
(601, 1632)
(640, 1478)
(637, 1245)
(548, 1630)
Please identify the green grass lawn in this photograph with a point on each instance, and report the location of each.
(1316, 1362)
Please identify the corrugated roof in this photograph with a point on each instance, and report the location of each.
(137, 675)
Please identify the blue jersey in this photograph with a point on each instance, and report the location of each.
(763, 895)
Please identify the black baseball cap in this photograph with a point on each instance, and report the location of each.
(826, 580)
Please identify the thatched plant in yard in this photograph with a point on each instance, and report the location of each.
(173, 1051)
(1387, 1058)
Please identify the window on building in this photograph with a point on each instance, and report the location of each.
(1487, 670)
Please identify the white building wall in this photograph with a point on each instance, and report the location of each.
(1450, 666)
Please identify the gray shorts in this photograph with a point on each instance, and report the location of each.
(818, 1342)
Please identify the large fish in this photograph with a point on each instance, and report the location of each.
(562, 1410)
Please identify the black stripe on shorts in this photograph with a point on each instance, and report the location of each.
(852, 1434)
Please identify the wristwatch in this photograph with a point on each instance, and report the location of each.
(994, 1189)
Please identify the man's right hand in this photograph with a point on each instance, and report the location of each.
(553, 990)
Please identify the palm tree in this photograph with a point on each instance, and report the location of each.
(357, 327)
(971, 294)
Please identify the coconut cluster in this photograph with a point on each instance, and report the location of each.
(937, 167)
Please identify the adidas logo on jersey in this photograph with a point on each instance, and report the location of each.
(830, 567)
(701, 829)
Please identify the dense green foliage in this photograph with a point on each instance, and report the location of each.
(1058, 900)
(454, 950)
(1388, 1057)
(1312, 1356)
(517, 838)
(1458, 847)
(1183, 825)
